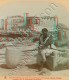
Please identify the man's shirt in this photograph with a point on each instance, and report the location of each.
(46, 42)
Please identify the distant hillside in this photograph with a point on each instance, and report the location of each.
(50, 28)
(62, 26)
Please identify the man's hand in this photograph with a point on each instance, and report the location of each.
(41, 46)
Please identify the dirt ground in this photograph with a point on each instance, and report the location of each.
(27, 71)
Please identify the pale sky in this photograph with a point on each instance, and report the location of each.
(34, 8)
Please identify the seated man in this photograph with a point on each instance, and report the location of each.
(45, 48)
(45, 40)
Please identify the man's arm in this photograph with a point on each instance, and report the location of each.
(41, 40)
(48, 41)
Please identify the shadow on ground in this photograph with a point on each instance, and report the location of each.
(4, 66)
(33, 66)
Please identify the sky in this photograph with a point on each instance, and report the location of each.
(35, 8)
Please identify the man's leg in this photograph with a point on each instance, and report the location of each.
(40, 60)
(43, 60)
(43, 54)
(41, 65)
